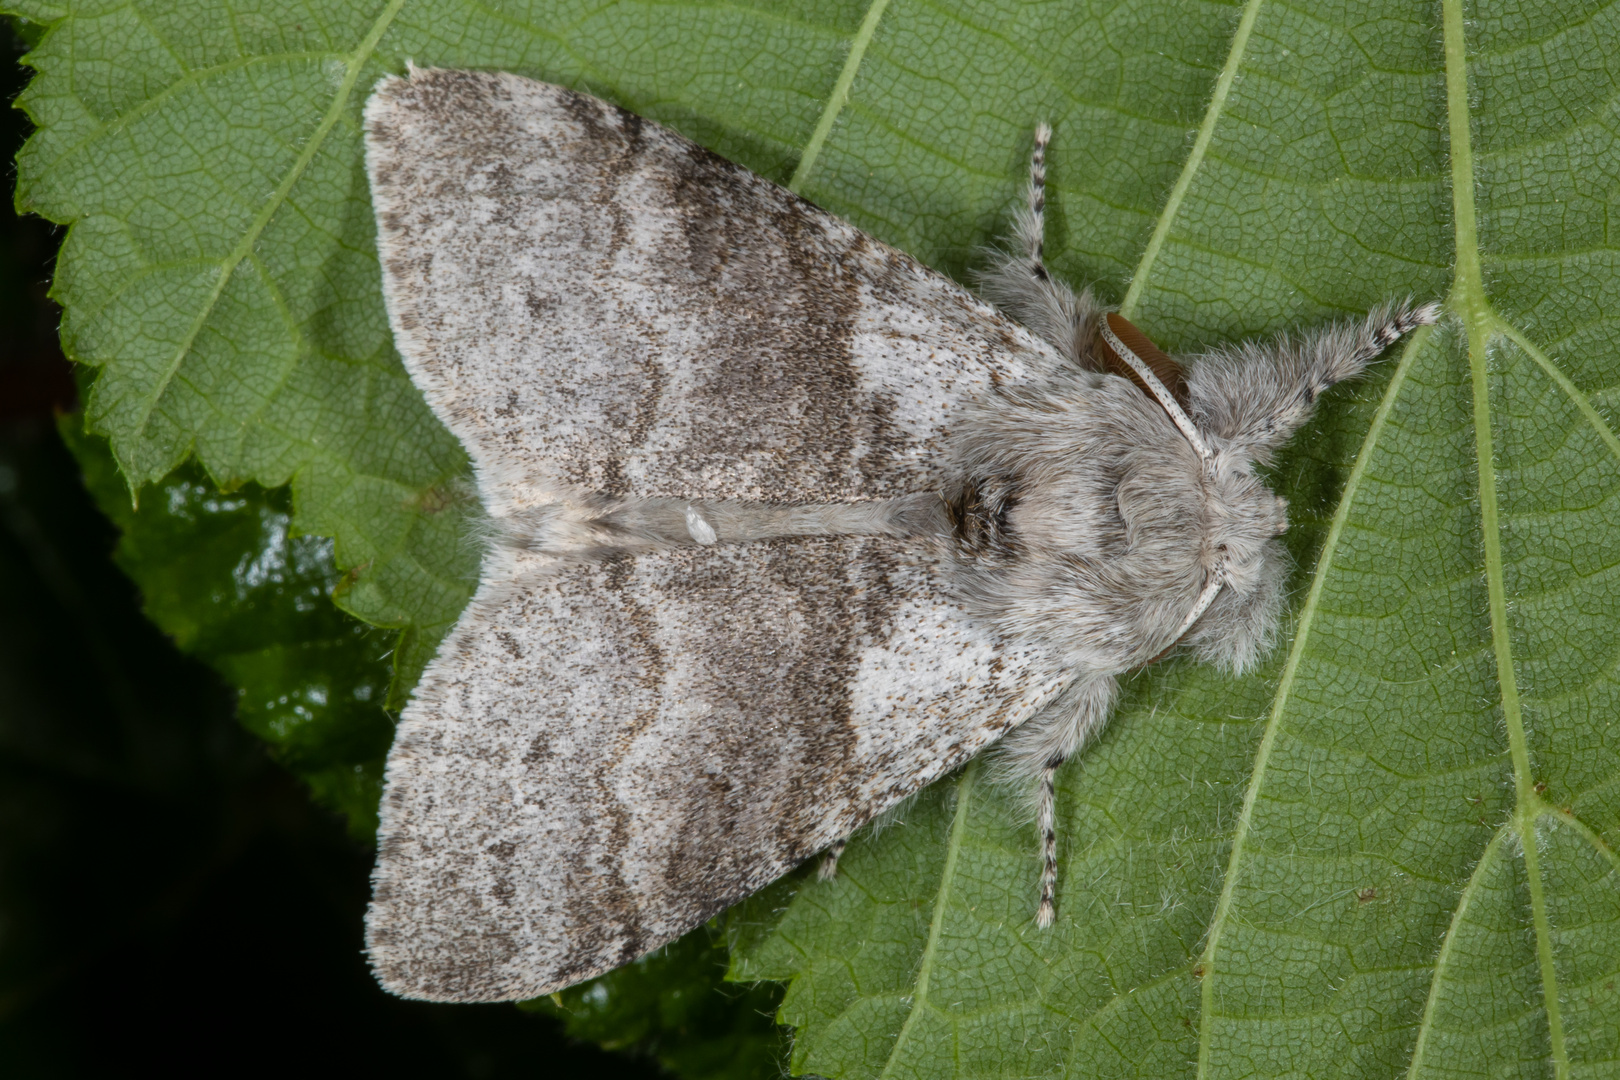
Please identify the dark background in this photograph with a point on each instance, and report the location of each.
(169, 896)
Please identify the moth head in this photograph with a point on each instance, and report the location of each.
(1244, 519)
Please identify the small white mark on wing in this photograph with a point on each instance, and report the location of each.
(700, 530)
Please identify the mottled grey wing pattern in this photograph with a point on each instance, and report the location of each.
(590, 300)
(616, 751)
(604, 754)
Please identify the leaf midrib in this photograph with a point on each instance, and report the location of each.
(1471, 304)
(1482, 325)
(353, 64)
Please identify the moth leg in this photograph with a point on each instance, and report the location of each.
(1018, 282)
(1046, 825)
(1035, 225)
(1256, 394)
(1038, 748)
(829, 859)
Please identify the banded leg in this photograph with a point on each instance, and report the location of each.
(1018, 283)
(1036, 749)
(1046, 824)
(1035, 226)
(829, 859)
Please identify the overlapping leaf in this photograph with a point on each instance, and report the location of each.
(223, 575)
(1390, 851)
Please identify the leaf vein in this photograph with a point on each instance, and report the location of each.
(1195, 157)
(354, 62)
(1566, 384)
(936, 923)
(1302, 635)
(839, 96)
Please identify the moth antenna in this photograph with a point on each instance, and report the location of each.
(1383, 327)
(1046, 822)
(829, 860)
(1402, 318)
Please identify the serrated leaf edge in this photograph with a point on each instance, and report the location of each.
(354, 63)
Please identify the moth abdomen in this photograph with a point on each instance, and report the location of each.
(597, 526)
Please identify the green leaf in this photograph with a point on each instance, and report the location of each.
(1391, 850)
(225, 577)
(671, 1005)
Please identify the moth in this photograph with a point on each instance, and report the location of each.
(781, 526)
